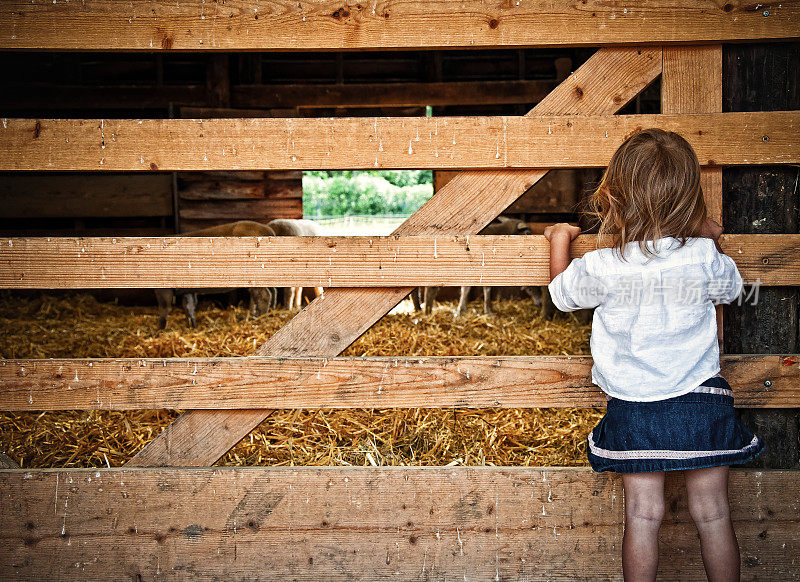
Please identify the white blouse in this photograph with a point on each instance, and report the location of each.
(654, 330)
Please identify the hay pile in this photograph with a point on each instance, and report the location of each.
(77, 325)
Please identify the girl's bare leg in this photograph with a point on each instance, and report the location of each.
(644, 510)
(707, 494)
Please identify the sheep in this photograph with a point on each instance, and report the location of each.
(540, 294)
(500, 225)
(292, 296)
(262, 299)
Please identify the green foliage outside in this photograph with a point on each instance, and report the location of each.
(373, 192)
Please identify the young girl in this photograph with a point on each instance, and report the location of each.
(655, 348)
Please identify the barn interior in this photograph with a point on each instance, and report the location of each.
(308, 84)
(364, 443)
(122, 322)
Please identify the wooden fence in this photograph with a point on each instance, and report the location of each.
(159, 518)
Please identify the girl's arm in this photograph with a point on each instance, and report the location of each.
(560, 236)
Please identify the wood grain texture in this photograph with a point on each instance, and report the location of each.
(328, 261)
(765, 199)
(113, 195)
(391, 94)
(222, 190)
(771, 381)
(691, 82)
(360, 523)
(313, 143)
(257, 96)
(330, 25)
(467, 203)
(232, 210)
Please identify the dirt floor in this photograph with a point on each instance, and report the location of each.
(77, 325)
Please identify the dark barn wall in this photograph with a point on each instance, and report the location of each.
(764, 200)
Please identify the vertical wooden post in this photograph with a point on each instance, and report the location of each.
(764, 200)
(691, 82)
(218, 81)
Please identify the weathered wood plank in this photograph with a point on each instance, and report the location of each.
(359, 523)
(691, 82)
(224, 175)
(243, 190)
(231, 210)
(328, 261)
(222, 190)
(89, 231)
(39, 97)
(392, 94)
(765, 199)
(770, 381)
(603, 84)
(143, 25)
(113, 195)
(541, 141)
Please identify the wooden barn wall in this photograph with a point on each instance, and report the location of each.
(764, 200)
(400, 83)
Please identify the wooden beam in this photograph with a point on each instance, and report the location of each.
(603, 84)
(114, 195)
(765, 199)
(251, 176)
(364, 523)
(691, 82)
(218, 80)
(222, 190)
(108, 231)
(329, 261)
(142, 25)
(231, 210)
(39, 97)
(539, 141)
(391, 94)
(279, 382)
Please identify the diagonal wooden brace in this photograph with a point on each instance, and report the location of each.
(472, 199)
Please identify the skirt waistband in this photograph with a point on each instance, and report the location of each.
(716, 385)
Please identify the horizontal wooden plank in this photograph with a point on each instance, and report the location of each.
(221, 175)
(365, 523)
(383, 142)
(362, 261)
(142, 25)
(222, 190)
(760, 381)
(112, 195)
(243, 190)
(231, 210)
(391, 94)
(39, 96)
(89, 231)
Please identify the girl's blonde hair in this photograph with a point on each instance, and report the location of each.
(651, 189)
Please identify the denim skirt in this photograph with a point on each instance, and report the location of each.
(691, 431)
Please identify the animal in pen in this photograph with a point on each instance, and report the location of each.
(262, 299)
(378, 522)
(292, 296)
(499, 226)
